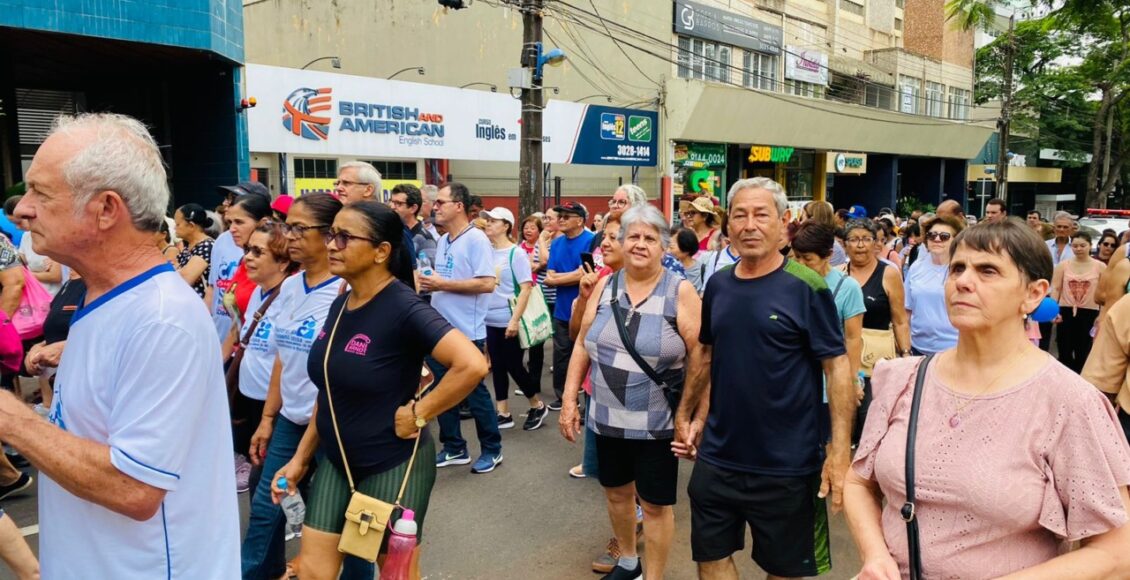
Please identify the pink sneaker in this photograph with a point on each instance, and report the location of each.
(242, 473)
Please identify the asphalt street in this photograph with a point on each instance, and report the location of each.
(526, 520)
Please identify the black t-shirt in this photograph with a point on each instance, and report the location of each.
(374, 369)
(770, 335)
(57, 325)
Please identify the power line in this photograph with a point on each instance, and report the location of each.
(937, 122)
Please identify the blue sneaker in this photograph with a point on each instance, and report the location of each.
(443, 458)
(486, 463)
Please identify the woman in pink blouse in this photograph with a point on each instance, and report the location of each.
(1016, 455)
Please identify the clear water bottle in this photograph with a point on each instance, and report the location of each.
(424, 264)
(295, 510)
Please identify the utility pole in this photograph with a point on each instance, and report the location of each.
(531, 186)
(1005, 122)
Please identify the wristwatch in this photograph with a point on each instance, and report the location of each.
(420, 421)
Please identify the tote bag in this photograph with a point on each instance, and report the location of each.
(535, 326)
(35, 303)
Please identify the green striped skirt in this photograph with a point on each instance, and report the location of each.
(329, 490)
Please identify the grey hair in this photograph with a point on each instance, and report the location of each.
(430, 192)
(1062, 215)
(779, 198)
(366, 173)
(122, 157)
(649, 216)
(636, 194)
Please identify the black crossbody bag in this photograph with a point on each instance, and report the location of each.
(672, 380)
(908, 511)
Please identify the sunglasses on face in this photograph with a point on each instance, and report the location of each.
(939, 236)
(1107, 245)
(256, 251)
(346, 183)
(341, 239)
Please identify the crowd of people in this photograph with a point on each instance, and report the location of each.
(306, 346)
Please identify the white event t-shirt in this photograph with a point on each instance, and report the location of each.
(142, 375)
(259, 356)
(469, 256)
(512, 260)
(298, 315)
(226, 256)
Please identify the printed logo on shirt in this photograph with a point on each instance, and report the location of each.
(358, 345)
(263, 331)
(56, 414)
(308, 328)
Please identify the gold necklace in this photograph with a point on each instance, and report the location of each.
(955, 417)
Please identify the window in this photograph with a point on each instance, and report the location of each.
(315, 168)
(852, 6)
(898, 24)
(935, 96)
(703, 60)
(900, 3)
(759, 71)
(878, 96)
(910, 92)
(396, 169)
(803, 89)
(959, 104)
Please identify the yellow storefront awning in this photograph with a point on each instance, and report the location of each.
(1017, 174)
(697, 111)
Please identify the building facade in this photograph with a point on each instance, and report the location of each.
(856, 101)
(176, 66)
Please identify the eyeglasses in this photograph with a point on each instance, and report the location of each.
(687, 214)
(341, 239)
(860, 241)
(347, 183)
(617, 202)
(939, 236)
(1107, 245)
(300, 230)
(442, 202)
(256, 251)
(396, 203)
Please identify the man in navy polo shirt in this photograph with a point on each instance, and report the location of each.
(770, 332)
(564, 272)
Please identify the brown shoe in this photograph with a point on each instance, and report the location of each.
(605, 562)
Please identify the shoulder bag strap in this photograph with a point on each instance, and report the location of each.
(510, 262)
(622, 328)
(908, 510)
(839, 284)
(333, 415)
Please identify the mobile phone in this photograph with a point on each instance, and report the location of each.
(586, 258)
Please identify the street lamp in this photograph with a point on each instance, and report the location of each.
(607, 97)
(554, 57)
(334, 61)
(419, 70)
(493, 87)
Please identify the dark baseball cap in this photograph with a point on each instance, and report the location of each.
(246, 188)
(573, 207)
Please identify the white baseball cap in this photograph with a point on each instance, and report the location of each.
(498, 213)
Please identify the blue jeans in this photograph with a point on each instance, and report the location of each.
(263, 554)
(482, 409)
(588, 456)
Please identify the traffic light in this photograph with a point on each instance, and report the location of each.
(455, 4)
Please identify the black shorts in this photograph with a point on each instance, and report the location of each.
(788, 522)
(649, 463)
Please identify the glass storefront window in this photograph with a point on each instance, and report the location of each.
(799, 175)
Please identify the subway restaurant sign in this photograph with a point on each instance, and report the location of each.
(761, 153)
(848, 163)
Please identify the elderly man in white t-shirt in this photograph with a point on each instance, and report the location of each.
(132, 484)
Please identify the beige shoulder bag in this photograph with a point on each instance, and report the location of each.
(366, 518)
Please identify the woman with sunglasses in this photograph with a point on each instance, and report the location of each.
(1107, 244)
(377, 335)
(267, 264)
(1073, 286)
(299, 312)
(930, 328)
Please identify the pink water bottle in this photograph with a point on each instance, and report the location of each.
(401, 543)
